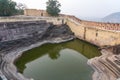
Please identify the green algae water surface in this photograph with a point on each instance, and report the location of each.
(64, 61)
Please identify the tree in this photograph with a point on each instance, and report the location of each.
(20, 8)
(53, 7)
(7, 7)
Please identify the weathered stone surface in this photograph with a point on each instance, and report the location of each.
(54, 31)
(116, 49)
(18, 30)
(107, 66)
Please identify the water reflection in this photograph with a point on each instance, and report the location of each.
(54, 52)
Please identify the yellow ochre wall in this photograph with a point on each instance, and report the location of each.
(35, 12)
(94, 35)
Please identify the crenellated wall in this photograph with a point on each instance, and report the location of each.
(100, 34)
(98, 25)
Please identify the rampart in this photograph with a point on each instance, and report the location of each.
(97, 33)
(98, 25)
(100, 34)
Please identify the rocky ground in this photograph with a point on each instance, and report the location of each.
(11, 50)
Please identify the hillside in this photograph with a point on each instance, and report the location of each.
(114, 18)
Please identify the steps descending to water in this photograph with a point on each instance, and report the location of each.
(105, 66)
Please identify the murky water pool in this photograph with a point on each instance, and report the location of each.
(64, 61)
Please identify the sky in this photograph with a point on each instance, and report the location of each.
(79, 8)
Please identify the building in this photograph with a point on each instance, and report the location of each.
(35, 12)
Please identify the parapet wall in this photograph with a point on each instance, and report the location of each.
(100, 34)
(97, 25)
(54, 20)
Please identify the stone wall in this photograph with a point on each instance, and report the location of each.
(35, 12)
(98, 25)
(54, 20)
(100, 35)
(18, 30)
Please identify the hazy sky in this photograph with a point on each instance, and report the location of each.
(83, 8)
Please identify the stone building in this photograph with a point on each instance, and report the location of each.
(35, 12)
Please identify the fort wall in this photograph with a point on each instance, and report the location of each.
(100, 34)
(97, 33)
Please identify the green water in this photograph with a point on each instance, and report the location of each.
(64, 61)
